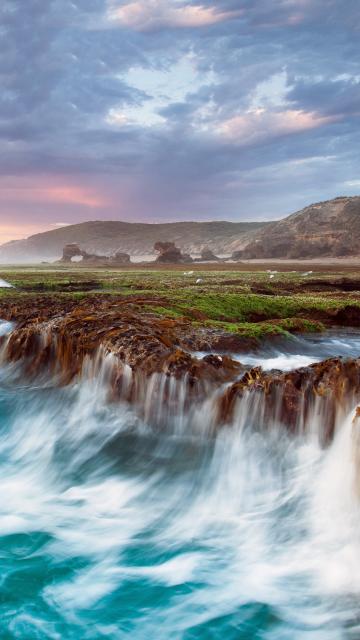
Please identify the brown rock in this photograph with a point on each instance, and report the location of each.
(70, 251)
(290, 398)
(170, 254)
(209, 256)
(120, 258)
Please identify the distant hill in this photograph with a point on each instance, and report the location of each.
(134, 238)
(324, 229)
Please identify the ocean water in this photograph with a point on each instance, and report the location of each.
(301, 351)
(113, 529)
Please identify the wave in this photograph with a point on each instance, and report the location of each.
(142, 519)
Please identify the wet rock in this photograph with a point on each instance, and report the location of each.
(222, 342)
(142, 341)
(57, 339)
(294, 398)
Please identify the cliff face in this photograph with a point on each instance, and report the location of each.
(325, 229)
(106, 238)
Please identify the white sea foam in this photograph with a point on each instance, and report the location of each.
(5, 327)
(300, 351)
(171, 532)
(284, 362)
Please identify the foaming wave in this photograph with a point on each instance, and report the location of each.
(112, 528)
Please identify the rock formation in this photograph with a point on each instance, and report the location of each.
(73, 250)
(296, 398)
(208, 256)
(170, 254)
(120, 258)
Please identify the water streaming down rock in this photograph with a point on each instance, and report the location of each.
(126, 511)
(5, 328)
(177, 390)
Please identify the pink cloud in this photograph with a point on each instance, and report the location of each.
(145, 15)
(10, 232)
(42, 190)
(260, 124)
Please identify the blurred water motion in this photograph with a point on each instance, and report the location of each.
(111, 530)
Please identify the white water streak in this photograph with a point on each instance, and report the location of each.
(255, 516)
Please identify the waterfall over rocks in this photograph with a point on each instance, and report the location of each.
(171, 506)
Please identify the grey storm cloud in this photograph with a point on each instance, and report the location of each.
(179, 109)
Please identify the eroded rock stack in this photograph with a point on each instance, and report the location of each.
(170, 254)
(73, 250)
(208, 256)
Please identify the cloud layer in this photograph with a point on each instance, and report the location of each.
(149, 15)
(172, 109)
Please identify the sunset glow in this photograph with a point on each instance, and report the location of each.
(162, 110)
(19, 231)
(49, 191)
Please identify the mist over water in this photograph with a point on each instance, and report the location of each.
(111, 528)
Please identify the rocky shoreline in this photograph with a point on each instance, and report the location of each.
(150, 363)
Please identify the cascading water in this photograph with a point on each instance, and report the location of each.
(112, 529)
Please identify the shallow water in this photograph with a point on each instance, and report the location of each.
(301, 351)
(111, 530)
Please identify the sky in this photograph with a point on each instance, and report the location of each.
(162, 110)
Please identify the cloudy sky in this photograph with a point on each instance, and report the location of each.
(175, 109)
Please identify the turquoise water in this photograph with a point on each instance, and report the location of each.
(110, 529)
